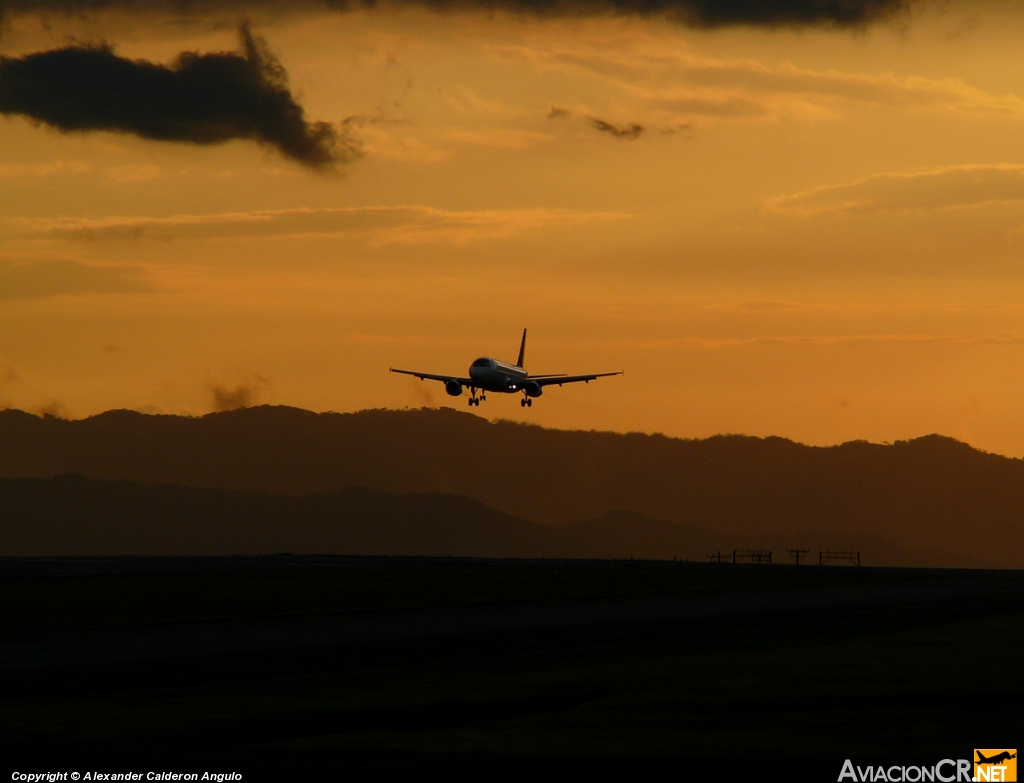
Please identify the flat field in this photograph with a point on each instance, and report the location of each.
(265, 665)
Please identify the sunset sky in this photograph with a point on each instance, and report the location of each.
(810, 227)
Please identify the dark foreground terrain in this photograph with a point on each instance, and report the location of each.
(265, 665)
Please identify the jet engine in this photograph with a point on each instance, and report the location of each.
(533, 389)
(454, 388)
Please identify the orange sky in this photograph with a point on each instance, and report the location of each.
(818, 234)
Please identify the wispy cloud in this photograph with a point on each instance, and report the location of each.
(123, 174)
(669, 81)
(378, 225)
(954, 186)
(45, 169)
(385, 139)
(502, 138)
(34, 278)
(844, 339)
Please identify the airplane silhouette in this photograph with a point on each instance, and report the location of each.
(491, 375)
(996, 758)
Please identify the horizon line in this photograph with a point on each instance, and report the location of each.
(44, 414)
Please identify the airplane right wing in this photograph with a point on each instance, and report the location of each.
(551, 380)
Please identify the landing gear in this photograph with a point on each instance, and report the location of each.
(526, 402)
(474, 400)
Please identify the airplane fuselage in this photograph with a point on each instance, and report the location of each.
(496, 376)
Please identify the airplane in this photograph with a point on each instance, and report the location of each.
(996, 758)
(491, 375)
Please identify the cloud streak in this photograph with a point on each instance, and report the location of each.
(45, 169)
(951, 187)
(841, 340)
(45, 277)
(403, 225)
(197, 99)
(666, 83)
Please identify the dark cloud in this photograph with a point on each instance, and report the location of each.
(54, 409)
(706, 13)
(769, 13)
(423, 394)
(628, 132)
(199, 98)
(696, 13)
(244, 395)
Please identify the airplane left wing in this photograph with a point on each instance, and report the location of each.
(551, 380)
(426, 376)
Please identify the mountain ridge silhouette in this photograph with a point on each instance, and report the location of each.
(932, 493)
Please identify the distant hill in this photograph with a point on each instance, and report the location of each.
(932, 493)
(74, 515)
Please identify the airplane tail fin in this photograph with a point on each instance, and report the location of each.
(522, 350)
